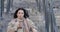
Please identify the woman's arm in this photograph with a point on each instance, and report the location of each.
(11, 26)
(33, 29)
(32, 25)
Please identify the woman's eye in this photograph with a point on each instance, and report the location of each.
(22, 13)
(19, 12)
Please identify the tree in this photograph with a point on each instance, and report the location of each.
(38, 2)
(1, 8)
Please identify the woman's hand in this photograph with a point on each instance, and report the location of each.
(11, 30)
(33, 30)
(19, 25)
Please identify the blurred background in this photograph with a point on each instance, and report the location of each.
(41, 12)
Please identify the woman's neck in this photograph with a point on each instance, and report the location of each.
(20, 18)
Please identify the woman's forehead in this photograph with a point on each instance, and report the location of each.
(20, 11)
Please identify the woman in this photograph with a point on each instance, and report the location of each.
(21, 23)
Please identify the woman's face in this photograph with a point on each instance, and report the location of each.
(20, 14)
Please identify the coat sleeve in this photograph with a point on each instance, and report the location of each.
(11, 26)
(32, 25)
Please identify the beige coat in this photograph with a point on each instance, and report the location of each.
(12, 25)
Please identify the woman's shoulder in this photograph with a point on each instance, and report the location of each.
(12, 21)
(29, 21)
